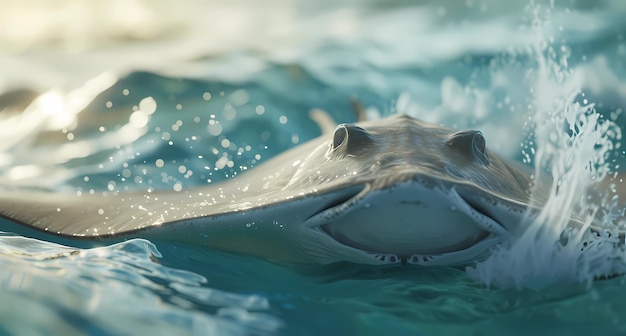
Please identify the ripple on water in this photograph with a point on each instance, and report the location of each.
(114, 289)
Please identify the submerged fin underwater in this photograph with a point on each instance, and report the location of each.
(299, 168)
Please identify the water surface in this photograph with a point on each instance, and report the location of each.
(152, 95)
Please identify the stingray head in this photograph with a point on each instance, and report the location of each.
(429, 195)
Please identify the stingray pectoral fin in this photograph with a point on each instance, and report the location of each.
(102, 216)
(275, 230)
(270, 227)
(69, 217)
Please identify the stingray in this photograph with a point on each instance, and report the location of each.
(396, 190)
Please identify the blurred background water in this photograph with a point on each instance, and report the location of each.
(138, 95)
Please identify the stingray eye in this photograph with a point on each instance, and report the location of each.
(471, 144)
(350, 140)
(479, 142)
(340, 136)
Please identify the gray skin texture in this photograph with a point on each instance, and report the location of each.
(395, 190)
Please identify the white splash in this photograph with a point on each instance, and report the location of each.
(572, 141)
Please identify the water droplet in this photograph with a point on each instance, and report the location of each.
(178, 186)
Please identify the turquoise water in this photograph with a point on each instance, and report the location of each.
(196, 93)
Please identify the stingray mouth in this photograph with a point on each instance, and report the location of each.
(408, 221)
(479, 209)
(497, 213)
(339, 204)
